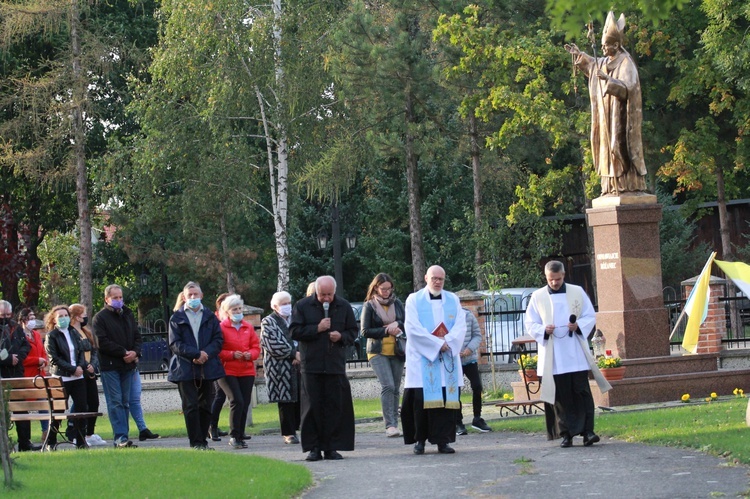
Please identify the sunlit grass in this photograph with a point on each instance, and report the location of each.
(717, 428)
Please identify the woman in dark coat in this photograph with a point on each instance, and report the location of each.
(382, 323)
(281, 362)
(70, 364)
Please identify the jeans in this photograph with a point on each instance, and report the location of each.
(116, 385)
(388, 369)
(135, 401)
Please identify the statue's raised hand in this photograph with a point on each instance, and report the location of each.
(572, 48)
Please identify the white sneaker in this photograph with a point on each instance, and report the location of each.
(392, 431)
(94, 440)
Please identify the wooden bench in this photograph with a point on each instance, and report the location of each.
(41, 394)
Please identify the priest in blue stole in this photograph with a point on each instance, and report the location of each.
(433, 365)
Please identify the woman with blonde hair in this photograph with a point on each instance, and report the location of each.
(382, 323)
(66, 359)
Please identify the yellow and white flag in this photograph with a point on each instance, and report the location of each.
(739, 273)
(696, 307)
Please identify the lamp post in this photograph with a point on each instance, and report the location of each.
(164, 283)
(321, 240)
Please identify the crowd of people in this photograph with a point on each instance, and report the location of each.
(430, 342)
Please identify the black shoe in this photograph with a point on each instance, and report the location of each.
(419, 448)
(314, 455)
(446, 449)
(479, 425)
(460, 429)
(146, 434)
(246, 437)
(30, 448)
(590, 438)
(567, 441)
(214, 434)
(332, 455)
(222, 433)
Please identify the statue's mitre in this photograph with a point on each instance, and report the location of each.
(614, 31)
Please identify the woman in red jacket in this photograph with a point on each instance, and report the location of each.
(238, 354)
(35, 363)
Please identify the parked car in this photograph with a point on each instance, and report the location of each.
(155, 352)
(504, 315)
(358, 351)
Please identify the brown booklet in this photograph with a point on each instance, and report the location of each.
(440, 331)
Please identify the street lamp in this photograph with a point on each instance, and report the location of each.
(351, 240)
(321, 239)
(143, 278)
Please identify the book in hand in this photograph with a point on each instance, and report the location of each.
(440, 331)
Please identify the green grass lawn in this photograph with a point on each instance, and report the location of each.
(154, 473)
(717, 428)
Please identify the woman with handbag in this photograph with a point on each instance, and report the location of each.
(79, 320)
(383, 325)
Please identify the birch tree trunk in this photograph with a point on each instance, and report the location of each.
(79, 154)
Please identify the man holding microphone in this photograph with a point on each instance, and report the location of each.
(324, 325)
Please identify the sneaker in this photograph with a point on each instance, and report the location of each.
(235, 443)
(95, 440)
(392, 431)
(479, 425)
(460, 429)
(291, 439)
(124, 443)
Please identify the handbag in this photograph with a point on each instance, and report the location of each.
(400, 347)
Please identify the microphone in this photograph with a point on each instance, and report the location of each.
(325, 309)
(572, 320)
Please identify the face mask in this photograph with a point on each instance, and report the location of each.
(237, 317)
(4, 321)
(285, 310)
(116, 304)
(193, 303)
(84, 321)
(63, 322)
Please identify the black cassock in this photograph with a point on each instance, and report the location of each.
(438, 426)
(327, 412)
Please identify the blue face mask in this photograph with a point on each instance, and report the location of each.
(237, 317)
(193, 303)
(63, 322)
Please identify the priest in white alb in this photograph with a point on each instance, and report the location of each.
(560, 317)
(435, 330)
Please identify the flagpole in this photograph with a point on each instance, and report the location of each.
(684, 309)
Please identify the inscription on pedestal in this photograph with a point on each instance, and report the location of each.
(607, 260)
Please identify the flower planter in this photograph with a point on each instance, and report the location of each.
(613, 373)
(530, 376)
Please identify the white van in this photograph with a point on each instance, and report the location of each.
(504, 312)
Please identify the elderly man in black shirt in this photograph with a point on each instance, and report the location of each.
(324, 325)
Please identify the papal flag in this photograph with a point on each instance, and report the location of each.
(739, 273)
(696, 307)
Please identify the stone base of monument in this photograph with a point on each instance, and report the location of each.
(664, 379)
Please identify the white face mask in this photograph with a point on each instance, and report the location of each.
(285, 310)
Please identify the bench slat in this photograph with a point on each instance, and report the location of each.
(36, 393)
(36, 405)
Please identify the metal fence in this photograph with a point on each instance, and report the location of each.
(503, 318)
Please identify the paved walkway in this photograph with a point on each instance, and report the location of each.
(504, 464)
